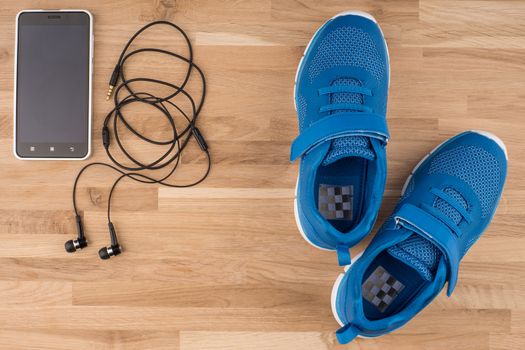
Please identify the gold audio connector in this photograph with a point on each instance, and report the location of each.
(113, 81)
(110, 92)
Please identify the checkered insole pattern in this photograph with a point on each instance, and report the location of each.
(335, 201)
(381, 288)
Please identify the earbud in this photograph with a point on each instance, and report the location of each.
(107, 252)
(71, 246)
(115, 248)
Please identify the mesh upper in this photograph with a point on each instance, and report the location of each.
(420, 254)
(480, 170)
(348, 146)
(475, 166)
(347, 46)
(356, 146)
(408, 189)
(301, 111)
(346, 97)
(344, 46)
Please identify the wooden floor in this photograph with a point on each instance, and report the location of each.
(222, 266)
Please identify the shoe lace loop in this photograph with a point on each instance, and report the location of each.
(346, 88)
(444, 218)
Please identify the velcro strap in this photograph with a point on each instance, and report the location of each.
(337, 125)
(435, 231)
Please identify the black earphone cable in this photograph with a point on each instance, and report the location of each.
(177, 142)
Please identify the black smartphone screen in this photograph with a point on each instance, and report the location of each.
(53, 85)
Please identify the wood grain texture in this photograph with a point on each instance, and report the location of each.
(222, 266)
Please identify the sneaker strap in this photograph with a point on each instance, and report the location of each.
(419, 221)
(338, 125)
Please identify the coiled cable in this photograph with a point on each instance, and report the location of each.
(179, 138)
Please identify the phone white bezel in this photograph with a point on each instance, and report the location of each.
(90, 103)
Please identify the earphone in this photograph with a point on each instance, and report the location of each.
(107, 252)
(177, 143)
(79, 243)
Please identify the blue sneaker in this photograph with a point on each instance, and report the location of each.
(341, 96)
(446, 204)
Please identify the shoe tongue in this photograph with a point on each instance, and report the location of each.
(418, 253)
(346, 97)
(348, 146)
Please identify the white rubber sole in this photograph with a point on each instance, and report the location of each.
(345, 13)
(335, 289)
(483, 133)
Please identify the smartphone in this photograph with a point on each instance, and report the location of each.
(53, 78)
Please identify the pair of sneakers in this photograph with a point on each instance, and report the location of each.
(446, 203)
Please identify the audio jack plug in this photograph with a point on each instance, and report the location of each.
(113, 81)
